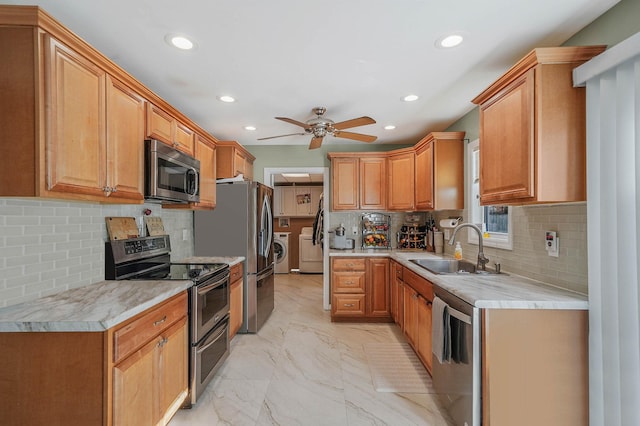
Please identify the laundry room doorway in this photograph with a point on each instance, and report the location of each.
(317, 179)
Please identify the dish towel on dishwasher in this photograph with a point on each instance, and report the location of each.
(441, 330)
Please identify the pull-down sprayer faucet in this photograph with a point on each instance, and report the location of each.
(482, 260)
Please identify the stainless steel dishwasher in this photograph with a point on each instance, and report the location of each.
(457, 379)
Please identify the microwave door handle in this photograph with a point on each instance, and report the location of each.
(196, 180)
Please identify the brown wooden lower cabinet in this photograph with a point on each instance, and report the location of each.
(235, 299)
(417, 300)
(360, 289)
(73, 378)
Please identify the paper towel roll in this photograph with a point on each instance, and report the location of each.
(448, 223)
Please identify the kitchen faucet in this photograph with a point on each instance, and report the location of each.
(482, 260)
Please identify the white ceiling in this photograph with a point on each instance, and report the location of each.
(357, 57)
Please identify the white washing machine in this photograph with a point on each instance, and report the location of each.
(281, 251)
(310, 254)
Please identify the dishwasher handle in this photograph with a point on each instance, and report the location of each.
(459, 315)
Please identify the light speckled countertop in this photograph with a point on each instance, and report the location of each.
(506, 291)
(96, 307)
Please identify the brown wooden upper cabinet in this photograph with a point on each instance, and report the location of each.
(232, 160)
(168, 129)
(358, 180)
(206, 153)
(401, 180)
(439, 180)
(532, 130)
(76, 131)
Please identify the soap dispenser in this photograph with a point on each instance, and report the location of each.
(458, 252)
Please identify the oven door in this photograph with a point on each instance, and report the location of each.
(207, 356)
(209, 304)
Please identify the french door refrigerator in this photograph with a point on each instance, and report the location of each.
(242, 225)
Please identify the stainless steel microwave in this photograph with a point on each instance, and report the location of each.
(170, 175)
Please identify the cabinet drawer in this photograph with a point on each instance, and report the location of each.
(147, 325)
(235, 272)
(348, 304)
(419, 284)
(348, 282)
(348, 264)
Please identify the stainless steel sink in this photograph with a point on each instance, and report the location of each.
(449, 266)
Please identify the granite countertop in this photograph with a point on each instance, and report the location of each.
(503, 291)
(96, 307)
(231, 260)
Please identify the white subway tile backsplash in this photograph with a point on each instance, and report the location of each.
(50, 246)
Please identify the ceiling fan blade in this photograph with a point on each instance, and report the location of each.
(295, 122)
(282, 136)
(355, 136)
(315, 143)
(362, 121)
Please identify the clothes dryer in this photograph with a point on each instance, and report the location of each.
(281, 251)
(310, 254)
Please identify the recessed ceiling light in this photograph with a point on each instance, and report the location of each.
(180, 41)
(226, 98)
(449, 41)
(389, 127)
(295, 175)
(250, 128)
(410, 98)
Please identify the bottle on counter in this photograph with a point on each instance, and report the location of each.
(458, 251)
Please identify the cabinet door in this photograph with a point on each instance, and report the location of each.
(303, 201)
(206, 153)
(76, 122)
(424, 308)
(159, 124)
(378, 287)
(397, 293)
(401, 182)
(238, 163)
(507, 143)
(172, 365)
(133, 382)
(184, 138)
(373, 183)
(125, 146)
(288, 201)
(344, 183)
(410, 315)
(424, 178)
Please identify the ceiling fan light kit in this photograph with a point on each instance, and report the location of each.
(320, 126)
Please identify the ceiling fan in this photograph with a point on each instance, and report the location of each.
(321, 126)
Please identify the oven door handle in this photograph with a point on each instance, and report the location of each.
(203, 289)
(212, 339)
(459, 315)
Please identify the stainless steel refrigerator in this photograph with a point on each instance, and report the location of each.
(242, 225)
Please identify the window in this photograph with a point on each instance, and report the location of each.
(495, 221)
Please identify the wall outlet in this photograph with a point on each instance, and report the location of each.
(552, 243)
(185, 234)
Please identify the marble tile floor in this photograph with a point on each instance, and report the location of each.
(302, 369)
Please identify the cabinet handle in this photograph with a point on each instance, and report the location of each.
(348, 282)
(114, 189)
(348, 305)
(162, 342)
(160, 321)
(106, 190)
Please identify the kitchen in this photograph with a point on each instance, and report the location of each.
(56, 245)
